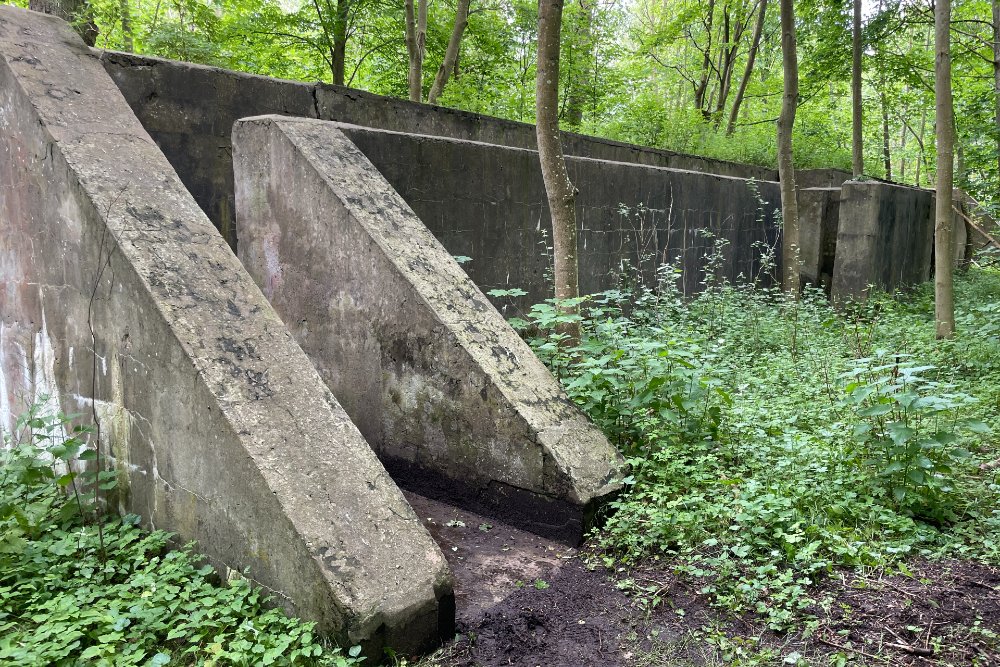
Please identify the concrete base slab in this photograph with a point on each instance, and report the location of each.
(445, 391)
(119, 299)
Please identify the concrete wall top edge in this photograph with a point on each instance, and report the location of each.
(349, 128)
(574, 143)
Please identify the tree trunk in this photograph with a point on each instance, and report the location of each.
(576, 92)
(786, 164)
(559, 190)
(748, 71)
(128, 44)
(886, 151)
(450, 62)
(729, 51)
(338, 50)
(944, 257)
(416, 37)
(77, 12)
(996, 79)
(902, 155)
(857, 147)
(706, 65)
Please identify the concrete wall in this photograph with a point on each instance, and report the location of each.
(488, 202)
(819, 219)
(189, 111)
(455, 403)
(885, 238)
(118, 299)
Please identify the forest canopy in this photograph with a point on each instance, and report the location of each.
(695, 76)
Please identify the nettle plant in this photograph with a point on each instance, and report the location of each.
(636, 378)
(909, 432)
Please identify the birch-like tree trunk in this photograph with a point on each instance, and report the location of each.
(944, 256)
(791, 278)
(560, 191)
(758, 29)
(451, 53)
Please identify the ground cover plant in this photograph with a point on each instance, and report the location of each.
(79, 585)
(774, 443)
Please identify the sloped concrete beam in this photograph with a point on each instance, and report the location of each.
(454, 402)
(119, 297)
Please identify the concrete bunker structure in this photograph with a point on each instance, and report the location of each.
(119, 297)
(454, 402)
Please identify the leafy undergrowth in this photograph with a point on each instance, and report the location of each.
(79, 587)
(772, 441)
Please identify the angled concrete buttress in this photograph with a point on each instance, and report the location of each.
(221, 428)
(456, 405)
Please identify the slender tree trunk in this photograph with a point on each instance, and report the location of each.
(996, 79)
(559, 189)
(902, 155)
(857, 147)
(758, 29)
(338, 50)
(416, 37)
(450, 62)
(944, 256)
(922, 155)
(576, 94)
(786, 165)
(128, 43)
(886, 150)
(706, 65)
(77, 12)
(728, 65)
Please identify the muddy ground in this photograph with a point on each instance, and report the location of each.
(524, 600)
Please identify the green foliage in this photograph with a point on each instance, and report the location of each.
(770, 441)
(908, 431)
(77, 587)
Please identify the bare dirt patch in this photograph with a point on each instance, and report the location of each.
(524, 600)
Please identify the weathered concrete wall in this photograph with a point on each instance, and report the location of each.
(819, 218)
(820, 178)
(885, 238)
(118, 297)
(488, 202)
(453, 400)
(190, 109)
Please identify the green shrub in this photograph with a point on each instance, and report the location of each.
(80, 587)
(770, 442)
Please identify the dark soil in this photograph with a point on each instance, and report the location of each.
(939, 613)
(523, 600)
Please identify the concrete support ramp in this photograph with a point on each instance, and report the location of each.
(454, 402)
(120, 300)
